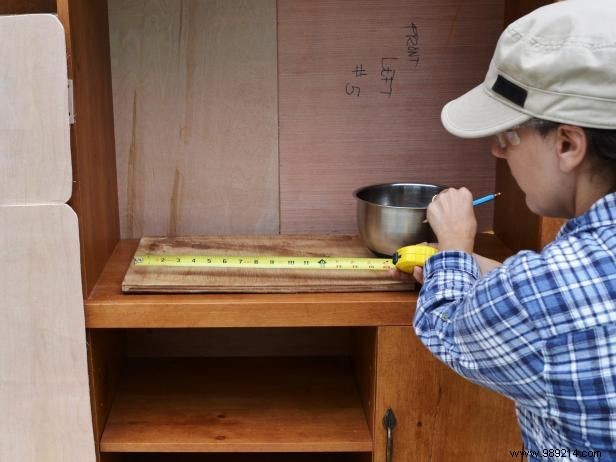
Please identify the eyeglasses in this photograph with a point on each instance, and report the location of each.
(511, 137)
(508, 138)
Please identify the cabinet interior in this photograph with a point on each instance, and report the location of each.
(301, 390)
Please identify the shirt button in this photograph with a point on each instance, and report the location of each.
(444, 317)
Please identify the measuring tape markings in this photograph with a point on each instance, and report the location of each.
(405, 260)
(265, 262)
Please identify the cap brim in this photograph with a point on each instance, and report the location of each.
(477, 114)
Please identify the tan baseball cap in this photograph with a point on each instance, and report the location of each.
(557, 63)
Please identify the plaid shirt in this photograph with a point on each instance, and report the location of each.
(540, 329)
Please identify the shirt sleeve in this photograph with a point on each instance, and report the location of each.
(477, 326)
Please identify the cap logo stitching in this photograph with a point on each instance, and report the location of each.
(510, 90)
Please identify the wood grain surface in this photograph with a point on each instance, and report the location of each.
(44, 389)
(109, 307)
(35, 161)
(95, 194)
(196, 116)
(237, 405)
(202, 279)
(362, 85)
(440, 415)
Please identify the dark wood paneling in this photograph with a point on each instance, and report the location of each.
(514, 223)
(27, 6)
(515, 9)
(549, 229)
(516, 226)
(211, 342)
(92, 141)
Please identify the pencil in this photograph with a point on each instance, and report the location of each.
(479, 201)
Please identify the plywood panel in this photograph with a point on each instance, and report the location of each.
(362, 85)
(33, 111)
(44, 392)
(195, 103)
(196, 279)
(440, 416)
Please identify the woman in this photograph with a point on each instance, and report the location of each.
(541, 327)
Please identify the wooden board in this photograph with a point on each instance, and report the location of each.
(33, 111)
(196, 116)
(340, 129)
(44, 389)
(201, 279)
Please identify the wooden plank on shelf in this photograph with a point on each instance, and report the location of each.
(238, 405)
(196, 116)
(108, 307)
(164, 279)
(341, 128)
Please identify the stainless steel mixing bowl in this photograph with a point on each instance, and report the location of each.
(390, 216)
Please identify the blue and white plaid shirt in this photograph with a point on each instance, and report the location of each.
(540, 329)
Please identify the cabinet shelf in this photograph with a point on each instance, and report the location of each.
(108, 307)
(237, 405)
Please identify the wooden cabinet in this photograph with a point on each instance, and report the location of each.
(300, 377)
(311, 375)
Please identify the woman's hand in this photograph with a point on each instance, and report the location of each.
(406, 277)
(418, 275)
(452, 219)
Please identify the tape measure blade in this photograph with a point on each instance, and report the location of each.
(264, 262)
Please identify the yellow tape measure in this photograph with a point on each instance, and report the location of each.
(405, 259)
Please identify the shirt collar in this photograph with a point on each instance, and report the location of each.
(601, 213)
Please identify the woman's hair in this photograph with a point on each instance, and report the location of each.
(601, 147)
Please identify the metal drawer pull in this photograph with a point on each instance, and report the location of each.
(389, 422)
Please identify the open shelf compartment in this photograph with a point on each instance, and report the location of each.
(308, 404)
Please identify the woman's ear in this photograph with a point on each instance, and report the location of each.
(571, 146)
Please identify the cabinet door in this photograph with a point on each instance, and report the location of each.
(440, 416)
(44, 392)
